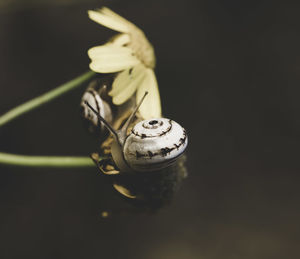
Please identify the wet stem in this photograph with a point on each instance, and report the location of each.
(45, 161)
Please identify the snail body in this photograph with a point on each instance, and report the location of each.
(151, 145)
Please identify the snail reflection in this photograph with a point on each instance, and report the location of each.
(142, 159)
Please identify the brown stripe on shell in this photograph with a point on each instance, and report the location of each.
(94, 93)
(163, 151)
(142, 136)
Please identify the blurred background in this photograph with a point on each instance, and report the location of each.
(229, 71)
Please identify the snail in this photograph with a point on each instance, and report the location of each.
(95, 95)
(151, 145)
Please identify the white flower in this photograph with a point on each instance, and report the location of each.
(132, 56)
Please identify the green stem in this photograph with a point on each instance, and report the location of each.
(45, 98)
(45, 161)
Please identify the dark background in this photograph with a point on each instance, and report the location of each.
(229, 71)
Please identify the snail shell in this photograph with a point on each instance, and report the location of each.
(151, 145)
(92, 95)
(154, 144)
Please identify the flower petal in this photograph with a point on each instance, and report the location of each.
(114, 15)
(128, 76)
(120, 39)
(126, 83)
(109, 49)
(151, 106)
(109, 58)
(109, 21)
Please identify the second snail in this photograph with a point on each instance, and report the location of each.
(126, 105)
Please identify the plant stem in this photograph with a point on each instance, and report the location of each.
(44, 98)
(45, 161)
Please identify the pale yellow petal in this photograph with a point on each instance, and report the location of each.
(114, 15)
(126, 83)
(108, 21)
(127, 77)
(124, 191)
(109, 49)
(109, 58)
(120, 39)
(151, 106)
(111, 65)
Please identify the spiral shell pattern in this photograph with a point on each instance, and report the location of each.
(154, 144)
(92, 96)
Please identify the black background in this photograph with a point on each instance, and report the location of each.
(229, 71)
